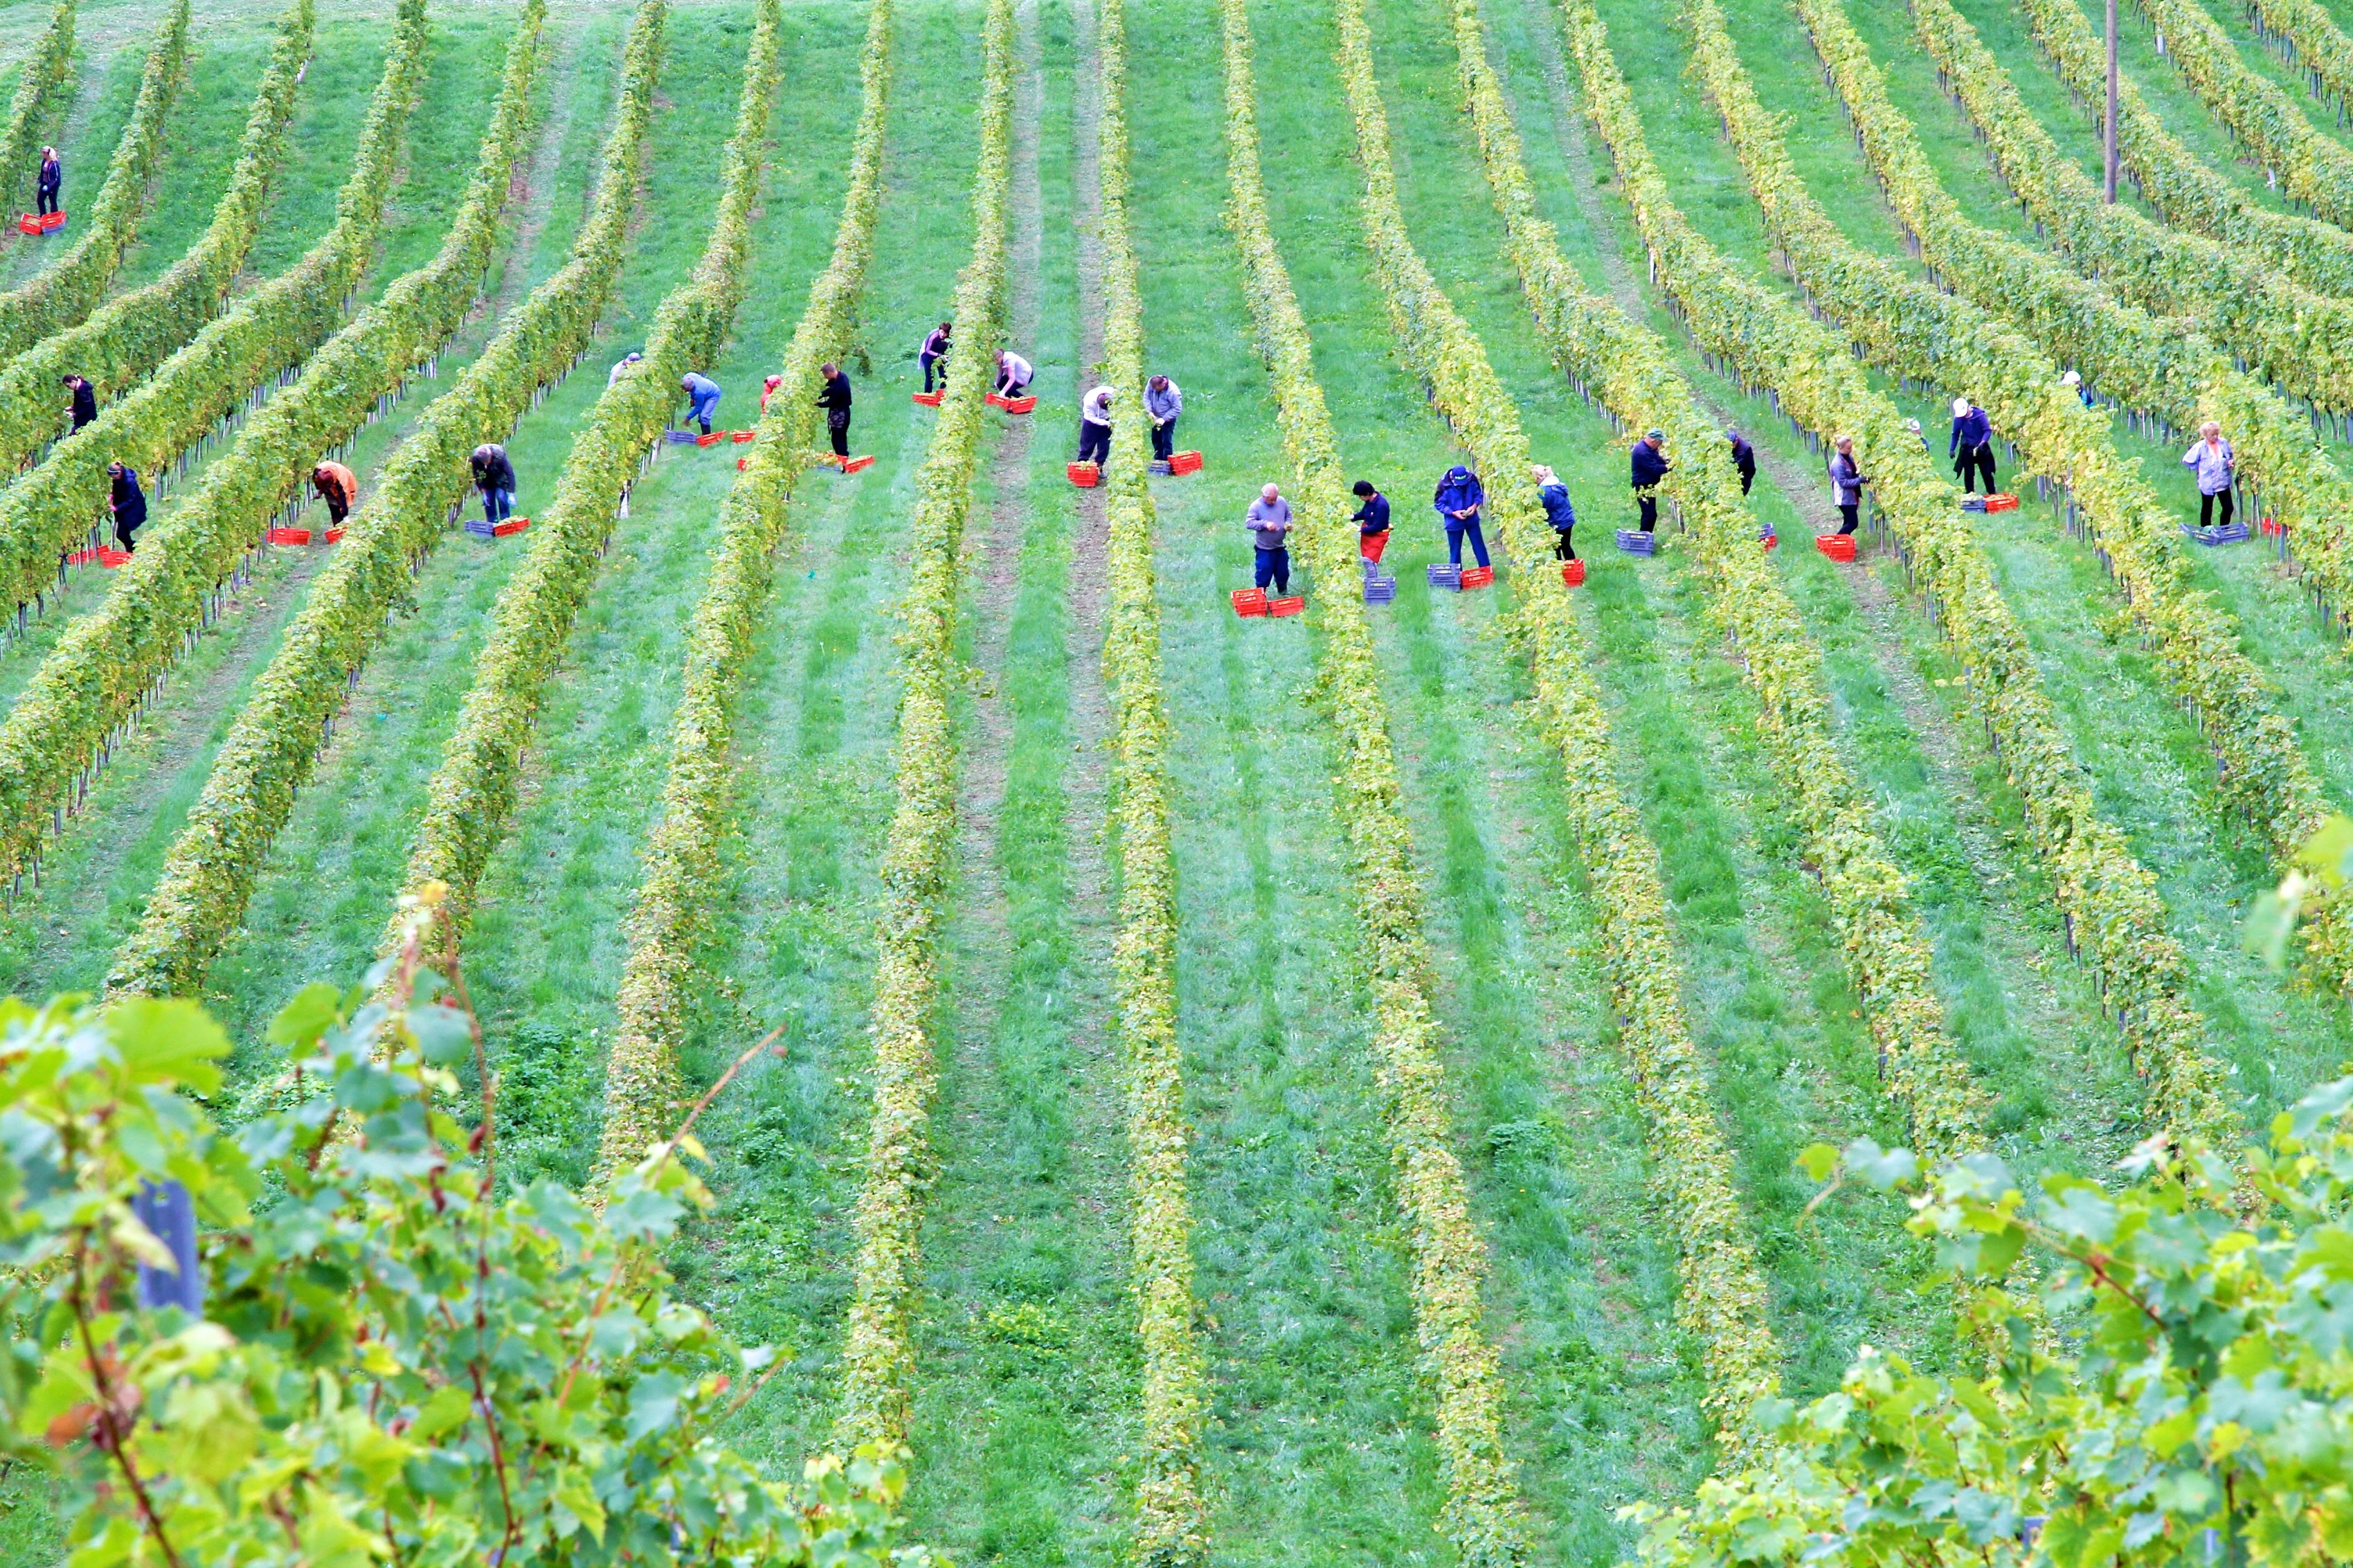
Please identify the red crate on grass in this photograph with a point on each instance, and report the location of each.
(711, 441)
(1572, 572)
(1086, 475)
(1478, 576)
(742, 463)
(932, 399)
(289, 536)
(1290, 606)
(81, 558)
(2002, 503)
(1837, 546)
(740, 436)
(1769, 540)
(1184, 462)
(110, 559)
(992, 399)
(512, 525)
(29, 223)
(334, 535)
(1249, 601)
(1017, 405)
(855, 464)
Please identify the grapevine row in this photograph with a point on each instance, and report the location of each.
(211, 868)
(218, 376)
(2317, 255)
(1721, 1301)
(2163, 365)
(2108, 899)
(682, 854)
(877, 1353)
(1171, 1527)
(1627, 369)
(2313, 41)
(473, 791)
(107, 663)
(1483, 1515)
(2310, 167)
(1915, 330)
(47, 70)
(67, 291)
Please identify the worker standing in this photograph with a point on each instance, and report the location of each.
(703, 395)
(1971, 447)
(52, 178)
(2216, 465)
(127, 501)
(339, 487)
(1458, 502)
(1162, 401)
(834, 399)
(1558, 511)
(85, 400)
(1269, 527)
(1094, 425)
(1744, 460)
(936, 345)
(494, 476)
(1648, 465)
(1372, 521)
(1013, 373)
(1848, 480)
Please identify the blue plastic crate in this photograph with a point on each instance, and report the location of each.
(1973, 503)
(1379, 590)
(1634, 542)
(2220, 534)
(678, 438)
(480, 527)
(1443, 574)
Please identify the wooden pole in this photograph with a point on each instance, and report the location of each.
(2111, 123)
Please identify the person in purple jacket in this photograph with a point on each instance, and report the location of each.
(936, 348)
(1971, 447)
(2217, 466)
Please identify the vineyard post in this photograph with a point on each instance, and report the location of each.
(2109, 127)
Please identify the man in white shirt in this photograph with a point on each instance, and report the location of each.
(1094, 426)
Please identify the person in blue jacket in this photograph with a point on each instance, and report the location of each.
(1649, 465)
(127, 501)
(1372, 519)
(703, 394)
(1971, 447)
(1558, 512)
(1458, 502)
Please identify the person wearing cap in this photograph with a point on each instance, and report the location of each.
(1971, 449)
(1372, 521)
(1744, 460)
(1649, 465)
(1913, 425)
(1269, 529)
(622, 367)
(768, 390)
(703, 398)
(494, 476)
(1162, 401)
(2217, 469)
(1847, 479)
(936, 348)
(1013, 373)
(1554, 495)
(1458, 503)
(2074, 380)
(127, 501)
(338, 486)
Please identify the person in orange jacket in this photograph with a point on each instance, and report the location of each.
(339, 487)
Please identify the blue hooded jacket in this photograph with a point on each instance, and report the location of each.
(1972, 429)
(1458, 490)
(1558, 512)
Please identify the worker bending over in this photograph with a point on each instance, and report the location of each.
(127, 501)
(494, 476)
(703, 395)
(1013, 373)
(339, 487)
(1094, 425)
(1558, 511)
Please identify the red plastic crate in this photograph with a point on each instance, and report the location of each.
(29, 223)
(992, 399)
(1249, 601)
(1837, 546)
(711, 441)
(855, 464)
(1184, 462)
(1572, 572)
(1017, 404)
(52, 222)
(111, 558)
(334, 535)
(289, 536)
(740, 436)
(1770, 541)
(1290, 606)
(2002, 503)
(1478, 576)
(2271, 525)
(932, 399)
(81, 558)
(512, 525)
(741, 463)
(1086, 475)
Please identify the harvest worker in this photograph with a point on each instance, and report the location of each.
(768, 390)
(339, 487)
(1744, 460)
(2217, 466)
(834, 399)
(1013, 373)
(703, 398)
(1372, 521)
(1913, 425)
(1649, 465)
(127, 501)
(46, 188)
(1558, 512)
(2073, 382)
(85, 400)
(495, 478)
(1270, 526)
(935, 349)
(622, 367)
(1457, 502)
(1848, 480)
(1094, 425)
(1971, 447)
(1162, 401)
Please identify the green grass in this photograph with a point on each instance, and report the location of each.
(106, 84)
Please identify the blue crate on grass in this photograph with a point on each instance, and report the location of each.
(1379, 590)
(480, 527)
(1634, 542)
(1973, 503)
(2220, 534)
(678, 438)
(1443, 574)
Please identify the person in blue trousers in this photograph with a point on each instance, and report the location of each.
(1458, 503)
(494, 476)
(1270, 529)
(703, 398)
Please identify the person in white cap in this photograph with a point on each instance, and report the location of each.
(2075, 381)
(1971, 449)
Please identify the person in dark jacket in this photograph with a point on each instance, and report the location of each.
(936, 348)
(1971, 447)
(1458, 503)
(1744, 460)
(85, 400)
(494, 476)
(834, 399)
(1848, 480)
(128, 502)
(1558, 511)
(1649, 466)
(1372, 521)
(52, 179)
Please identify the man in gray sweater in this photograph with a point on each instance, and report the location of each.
(1162, 401)
(1269, 527)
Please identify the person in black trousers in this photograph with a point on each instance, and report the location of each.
(85, 400)
(1744, 460)
(834, 399)
(52, 177)
(1650, 466)
(129, 503)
